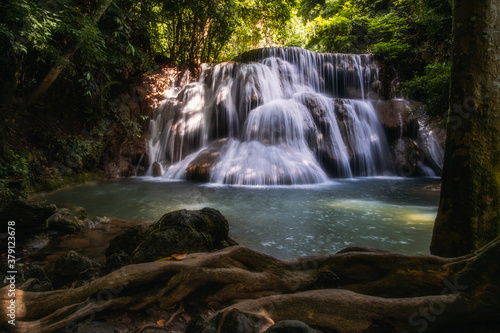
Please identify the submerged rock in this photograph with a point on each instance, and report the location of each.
(182, 231)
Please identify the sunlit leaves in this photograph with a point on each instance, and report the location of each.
(25, 24)
(206, 31)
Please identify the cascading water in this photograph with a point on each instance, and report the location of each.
(282, 116)
(431, 148)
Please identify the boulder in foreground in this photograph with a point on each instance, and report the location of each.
(182, 231)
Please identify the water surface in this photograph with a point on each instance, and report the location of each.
(285, 221)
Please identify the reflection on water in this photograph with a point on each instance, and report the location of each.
(390, 213)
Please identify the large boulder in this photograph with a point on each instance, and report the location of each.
(178, 232)
(29, 216)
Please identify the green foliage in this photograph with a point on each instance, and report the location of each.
(398, 29)
(432, 88)
(14, 166)
(14, 173)
(415, 34)
(192, 32)
(27, 24)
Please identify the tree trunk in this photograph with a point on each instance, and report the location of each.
(469, 208)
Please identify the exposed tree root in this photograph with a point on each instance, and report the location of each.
(400, 292)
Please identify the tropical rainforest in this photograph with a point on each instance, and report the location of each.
(69, 75)
(63, 64)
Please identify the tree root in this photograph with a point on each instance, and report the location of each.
(377, 288)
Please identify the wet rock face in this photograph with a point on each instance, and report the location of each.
(394, 117)
(182, 231)
(406, 157)
(157, 172)
(199, 169)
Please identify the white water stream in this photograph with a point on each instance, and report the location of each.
(292, 117)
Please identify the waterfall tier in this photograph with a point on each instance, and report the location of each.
(282, 116)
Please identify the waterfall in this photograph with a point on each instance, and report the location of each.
(432, 149)
(278, 116)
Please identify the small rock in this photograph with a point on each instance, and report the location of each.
(63, 221)
(93, 222)
(116, 261)
(25, 272)
(128, 240)
(184, 231)
(157, 171)
(94, 327)
(236, 321)
(72, 266)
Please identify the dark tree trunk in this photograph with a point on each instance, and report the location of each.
(469, 209)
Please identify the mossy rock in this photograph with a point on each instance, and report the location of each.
(116, 260)
(128, 240)
(182, 231)
(73, 266)
(63, 221)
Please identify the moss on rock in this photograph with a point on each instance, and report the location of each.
(182, 231)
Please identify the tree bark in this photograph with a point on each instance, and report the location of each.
(352, 291)
(469, 209)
